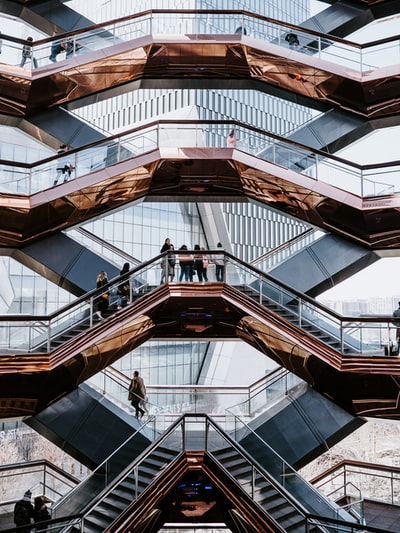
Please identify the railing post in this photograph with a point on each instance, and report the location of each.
(91, 311)
(300, 313)
(49, 337)
(391, 488)
(362, 183)
(341, 337)
(260, 291)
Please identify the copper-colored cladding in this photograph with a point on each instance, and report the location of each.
(157, 506)
(200, 174)
(371, 94)
(362, 385)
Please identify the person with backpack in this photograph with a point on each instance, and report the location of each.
(23, 511)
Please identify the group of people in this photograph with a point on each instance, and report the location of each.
(26, 514)
(57, 47)
(190, 264)
(123, 292)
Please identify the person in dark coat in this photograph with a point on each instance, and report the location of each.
(102, 302)
(137, 394)
(40, 513)
(123, 290)
(23, 511)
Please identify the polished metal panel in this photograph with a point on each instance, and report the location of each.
(204, 173)
(361, 385)
(31, 381)
(371, 94)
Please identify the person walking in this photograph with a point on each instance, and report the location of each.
(124, 287)
(27, 53)
(219, 261)
(137, 394)
(102, 302)
(40, 513)
(23, 511)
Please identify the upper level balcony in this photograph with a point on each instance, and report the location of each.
(193, 160)
(200, 44)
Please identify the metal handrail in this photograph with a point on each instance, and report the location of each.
(279, 25)
(182, 122)
(302, 299)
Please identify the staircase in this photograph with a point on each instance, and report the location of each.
(264, 491)
(113, 501)
(321, 333)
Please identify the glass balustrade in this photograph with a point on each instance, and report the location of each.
(369, 336)
(276, 256)
(40, 477)
(369, 181)
(161, 25)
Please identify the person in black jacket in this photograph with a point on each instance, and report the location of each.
(23, 511)
(40, 513)
(102, 301)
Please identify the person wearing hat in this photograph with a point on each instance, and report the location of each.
(23, 511)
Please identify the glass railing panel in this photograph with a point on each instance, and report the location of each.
(17, 178)
(276, 256)
(107, 472)
(304, 493)
(262, 400)
(39, 478)
(313, 316)
(160, 24)
(381, 181)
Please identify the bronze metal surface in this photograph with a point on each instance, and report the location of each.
(371, 94)
(209, 174)
(362, 385)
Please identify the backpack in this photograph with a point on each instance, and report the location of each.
(21, 514)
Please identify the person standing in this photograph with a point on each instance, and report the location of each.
(27, 53)
(396, 314)
(219, 261)
(186, 264)
(137, 394)
(198, 262)
(205, 264)
(163, 264)
(40, 513)
(231, 139)
(102, 302)
(123, 290)
(171, 264)
(23, 511)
